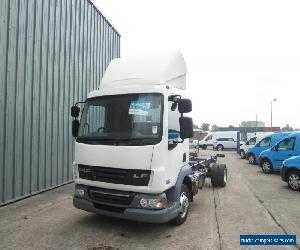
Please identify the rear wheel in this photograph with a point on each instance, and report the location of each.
(242, 154)
(293, 180)
(266, 166)
(220, 147)
(184, 204)
(204, 147)
(252, 159)
(218, 175)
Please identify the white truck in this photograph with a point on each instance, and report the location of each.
(131, 153)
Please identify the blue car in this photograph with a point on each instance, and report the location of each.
(265, 143)
(290, 172)
(271, 159)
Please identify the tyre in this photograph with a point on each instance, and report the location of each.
(204, 146)
(252, 159)
(293, 180)
(218, 175)
(266, 166)
(184, 204)
(220, 147)
(242, 154)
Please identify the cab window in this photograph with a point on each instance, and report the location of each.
(287, 144)
(265, 142)
(174, 127)
(252, 141)
(208, 138)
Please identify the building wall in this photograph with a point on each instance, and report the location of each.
(52, 54)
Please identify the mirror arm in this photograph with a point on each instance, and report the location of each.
(173, 98)
(76, 104)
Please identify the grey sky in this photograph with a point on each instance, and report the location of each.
(240, 54)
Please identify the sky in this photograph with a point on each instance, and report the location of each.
(240, 54)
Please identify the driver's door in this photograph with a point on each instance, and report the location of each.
(282, 151)
(177, 155)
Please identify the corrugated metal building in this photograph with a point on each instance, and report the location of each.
(52, 54)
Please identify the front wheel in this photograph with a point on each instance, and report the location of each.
(293, 180)
(184, 204)
(242, 154)
(252, 159)
(220, 147)
(266, 166)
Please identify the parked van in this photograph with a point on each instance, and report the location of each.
(213, 136)
(225, 143)
(290, 172)
(251, 143)
(271, 160)
(264, 144)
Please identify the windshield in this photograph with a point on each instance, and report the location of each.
(132, 119)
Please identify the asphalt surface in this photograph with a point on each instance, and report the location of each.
(251, 203)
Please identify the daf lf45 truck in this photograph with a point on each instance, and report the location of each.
(131, 142)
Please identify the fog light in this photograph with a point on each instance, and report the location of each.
(153, 203)
(79, 192)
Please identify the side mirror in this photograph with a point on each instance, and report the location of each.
(75, 128)
(75, 111)
(186, 127)
(184, 105)
(275, 148)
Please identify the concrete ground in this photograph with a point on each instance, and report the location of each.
(251, 203)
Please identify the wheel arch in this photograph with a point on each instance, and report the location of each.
(290, 169)
(262, 159)
(187, 181)
(173, 193)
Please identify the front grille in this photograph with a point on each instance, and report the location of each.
(109, 208)
(109, 197)
(135, 177)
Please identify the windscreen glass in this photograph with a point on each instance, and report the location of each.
(122, 119)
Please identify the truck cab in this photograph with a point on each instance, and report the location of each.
(264, 144)
(131, 142)
(272, 159)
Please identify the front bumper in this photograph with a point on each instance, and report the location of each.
(130, 211)
(283, 173)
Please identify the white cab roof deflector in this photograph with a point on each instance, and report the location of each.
(167, 68)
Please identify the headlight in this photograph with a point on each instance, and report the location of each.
(80, 192)
(156, 203)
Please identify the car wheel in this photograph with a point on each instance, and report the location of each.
(242, 154)
(293, 180)
(220, 147)
(252, 159)
(204, 147)
(184, 204)
(266, 166)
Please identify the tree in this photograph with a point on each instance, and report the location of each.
(231, 127)
(214, 128)
(195, 126)
(252, 124)
(205, 126)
